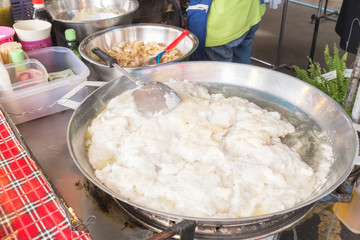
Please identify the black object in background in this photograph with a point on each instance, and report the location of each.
(171, 13)
(348, 25)
(159, 11)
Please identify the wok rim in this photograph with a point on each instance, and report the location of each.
(209, 220)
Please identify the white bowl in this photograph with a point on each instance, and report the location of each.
(32, 30)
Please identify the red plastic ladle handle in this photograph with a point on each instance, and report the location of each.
(177, 40)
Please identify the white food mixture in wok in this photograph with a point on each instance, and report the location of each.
(209, 157)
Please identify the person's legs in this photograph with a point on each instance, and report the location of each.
(242, 52)
(222, 53)
(238, 50)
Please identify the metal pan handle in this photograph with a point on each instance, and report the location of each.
(185, 228)
(357, 158)
(67, 102)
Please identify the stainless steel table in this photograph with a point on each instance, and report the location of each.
(46, 139)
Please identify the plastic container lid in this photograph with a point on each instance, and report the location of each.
(6, 34)
(70, 34)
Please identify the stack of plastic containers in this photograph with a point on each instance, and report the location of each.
(37, 97)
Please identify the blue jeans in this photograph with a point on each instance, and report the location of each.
(238, 50)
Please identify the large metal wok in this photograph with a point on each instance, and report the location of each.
(305, 106)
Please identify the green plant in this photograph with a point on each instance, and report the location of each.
(336, 88)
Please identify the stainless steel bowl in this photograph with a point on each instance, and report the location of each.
(62, 11)
(151, 32)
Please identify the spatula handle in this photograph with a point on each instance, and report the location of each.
(177, 40)
(110, 61)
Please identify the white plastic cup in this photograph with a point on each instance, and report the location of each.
(32, 30)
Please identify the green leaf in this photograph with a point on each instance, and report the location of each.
(335, 88)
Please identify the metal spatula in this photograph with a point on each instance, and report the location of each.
(151, 98)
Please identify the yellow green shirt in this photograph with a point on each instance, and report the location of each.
(230, 19)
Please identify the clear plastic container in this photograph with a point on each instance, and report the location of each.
(40, 100)
(24, 74)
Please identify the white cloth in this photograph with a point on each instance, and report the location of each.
(273, 3)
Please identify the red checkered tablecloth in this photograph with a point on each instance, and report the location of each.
(29, 208)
